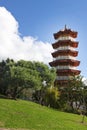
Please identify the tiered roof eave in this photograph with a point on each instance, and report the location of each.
(66, 32)
(68, 72)
(64, 62)
(59, 43)
(67, 52)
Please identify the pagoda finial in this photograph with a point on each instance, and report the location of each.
(65, 27)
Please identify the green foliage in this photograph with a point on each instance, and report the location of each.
(20, 75)
(47, 74)
(72, 93)
(47, 96)
(51, 97)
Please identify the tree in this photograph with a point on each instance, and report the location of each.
(20, 78)
(47, 74)
(72, 94)
(5, 75)
(16, 76)
(51, 97)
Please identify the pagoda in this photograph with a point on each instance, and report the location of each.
(64, 56)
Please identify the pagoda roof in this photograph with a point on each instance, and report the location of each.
(65, 53)
(65, 32)
(64, 62)
(68, 72)
(65, 43)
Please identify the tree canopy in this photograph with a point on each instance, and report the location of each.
(16, 76)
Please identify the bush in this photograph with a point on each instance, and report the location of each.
(51, 97)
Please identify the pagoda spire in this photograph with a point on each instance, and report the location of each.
(65, 27)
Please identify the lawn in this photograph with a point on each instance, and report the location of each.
(25, 115)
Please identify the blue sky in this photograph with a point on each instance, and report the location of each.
(41, 18)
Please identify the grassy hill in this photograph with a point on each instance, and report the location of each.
(24, 115)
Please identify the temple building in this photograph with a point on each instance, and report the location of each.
(64, 55)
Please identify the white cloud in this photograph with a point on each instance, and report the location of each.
(15, 47)
(84, 80)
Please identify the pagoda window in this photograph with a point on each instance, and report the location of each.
(65, 48)
(64, 57)
(65, 38)
(65, 67)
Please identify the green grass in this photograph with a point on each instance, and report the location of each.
(27, 115)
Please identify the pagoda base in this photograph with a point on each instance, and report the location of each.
(61, 83)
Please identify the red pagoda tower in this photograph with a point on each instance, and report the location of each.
(65, 56)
